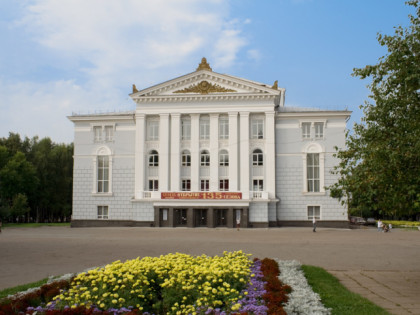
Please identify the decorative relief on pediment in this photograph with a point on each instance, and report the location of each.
(204, 87)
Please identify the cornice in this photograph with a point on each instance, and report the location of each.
(203, 98)
(345, 113)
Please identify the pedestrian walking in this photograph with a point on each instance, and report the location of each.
(380, 228)
(314, 224)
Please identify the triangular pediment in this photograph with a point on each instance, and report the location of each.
(205, 82)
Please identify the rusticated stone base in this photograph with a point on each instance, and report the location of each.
(109, 223)
(320, 224)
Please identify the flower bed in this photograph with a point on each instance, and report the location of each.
(171, 284)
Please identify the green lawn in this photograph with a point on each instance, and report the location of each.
(335, 296)
(23, 287)
(32, 225)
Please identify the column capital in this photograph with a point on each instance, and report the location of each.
(270, 113)
(214, 115)
(176, 115)
(140, 115)
(164, 115)
(232, 114)
(244, 114)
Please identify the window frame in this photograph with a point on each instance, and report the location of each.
(257, 157)
(186, 158)
(223, 127)
(223, 158)
(204, 158)
(257, 128)
(100, 212)
(204, 127)
(204, 185)
(312, 209)
(153, 184)
(313, 180)
(153, 158)
(259, 183)
(186, 185)
(223, 184)
(186, 128)
(152, 131)
(103, 172)
(319, 135)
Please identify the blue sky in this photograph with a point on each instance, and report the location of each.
(59, 57)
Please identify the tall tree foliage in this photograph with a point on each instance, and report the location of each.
(380, 167)
(36, 178)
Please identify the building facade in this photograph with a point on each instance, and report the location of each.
(207, 150)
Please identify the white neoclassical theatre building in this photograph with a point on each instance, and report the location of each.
(205, 150)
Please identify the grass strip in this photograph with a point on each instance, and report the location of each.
(20, 288)
(32, 225)
(335, 296)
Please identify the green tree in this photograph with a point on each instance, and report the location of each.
(19, 206)
(380, 167)
(17, 176)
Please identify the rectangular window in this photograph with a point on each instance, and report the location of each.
(312, 172)
(224, 185)
(103, 174)
(186, 128)
(186, 185)
(314, 211)
(257, 128)
(164, 214)
(319, 130)
(204, 128)
(152, 130)
(306, 130)
(102, 212)
(258, 185)
(109, 133)
(223, 127)
(97, 133)
(153, 185)
(205, 185)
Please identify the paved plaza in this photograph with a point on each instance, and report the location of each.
(383, 267)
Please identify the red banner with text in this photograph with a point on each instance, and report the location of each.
(201, 195)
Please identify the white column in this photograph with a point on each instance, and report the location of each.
(139, 158)
(233, 151)
(195, 152)
(214, 152)
(244, 154)
(175, 153)
(270, 155)
(164, 152)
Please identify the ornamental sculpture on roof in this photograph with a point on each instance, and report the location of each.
(204, 87)
(204, 65)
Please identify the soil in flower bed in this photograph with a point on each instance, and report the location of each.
(271, 300)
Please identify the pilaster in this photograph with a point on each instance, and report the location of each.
(195, 151)
(244, 154)
(214, 152)
(175, 151)
(164, 152)
(270, 155)
(233, 151)
(139, 159)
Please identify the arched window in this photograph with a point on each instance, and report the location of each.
(257, 158)
(186, 158)
(223, 158)
(153, 158)
(313, 168)
(205, 158)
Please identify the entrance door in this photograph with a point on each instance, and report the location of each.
(221, 217)
(180, 217)
(200, 217)
(163, 217)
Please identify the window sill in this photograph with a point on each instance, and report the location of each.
(110, 194)
(321, 193)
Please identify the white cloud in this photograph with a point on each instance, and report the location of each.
(101, 47)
